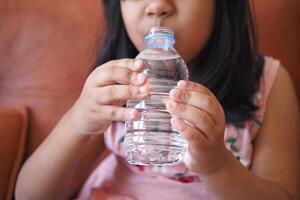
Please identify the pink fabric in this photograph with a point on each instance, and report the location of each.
(115, 179)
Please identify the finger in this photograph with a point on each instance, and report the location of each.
(192, 135)
(189, 85)
(197, 142)
(114, 113)
(115, 93)
(133, 65)
(209, 101)
(196, 99)
(119, 72)
(198, 118)
(199, 100)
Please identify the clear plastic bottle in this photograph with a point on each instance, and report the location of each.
(151, 139)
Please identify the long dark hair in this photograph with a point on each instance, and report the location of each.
(231, 66)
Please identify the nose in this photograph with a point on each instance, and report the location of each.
(160, 8)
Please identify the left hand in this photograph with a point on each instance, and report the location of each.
(199, 117)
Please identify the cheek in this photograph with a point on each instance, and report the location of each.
(191, 43)
(193, 38)
(135, 35)
(133, 27)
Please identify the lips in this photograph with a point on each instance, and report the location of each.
(158, 22)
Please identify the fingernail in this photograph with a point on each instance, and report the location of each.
(143, 89)
(140, 76)
(132, 114)
(137, 64)
(182, 84)
(176, 122)
(171, 105)
(137, 79)
(175, 93)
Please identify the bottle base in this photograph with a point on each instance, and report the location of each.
(154, 154)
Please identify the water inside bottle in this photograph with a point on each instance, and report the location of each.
(152, 139)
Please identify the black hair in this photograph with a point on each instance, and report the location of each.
(231, 66)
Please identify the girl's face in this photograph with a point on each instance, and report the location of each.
(191, 20)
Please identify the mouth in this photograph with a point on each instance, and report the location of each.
(156, 23)
(162, 28)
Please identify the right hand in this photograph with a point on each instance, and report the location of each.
(104, 93)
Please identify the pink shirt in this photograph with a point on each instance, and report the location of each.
(115, 179)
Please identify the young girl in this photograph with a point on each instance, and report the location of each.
(243, 122)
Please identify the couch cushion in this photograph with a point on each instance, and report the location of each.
(13, 133)
(47, 49)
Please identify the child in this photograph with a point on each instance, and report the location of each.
(241, 109)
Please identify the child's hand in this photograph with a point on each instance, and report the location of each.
(105, 91)
(199, 117)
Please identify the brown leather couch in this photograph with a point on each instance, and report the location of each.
(47, 49)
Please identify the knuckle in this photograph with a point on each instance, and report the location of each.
(128, 76)
(126, 62)
(207, 102)
(113, 113)
(120, 114)
(131, 92)
(116, 114)
(111, 91)
(121, 74)
(187, 97)
(111, 62)
(193, 85)
(202, 116)
(117, 62)
(132, 77)
(126, 93)
(181, 108)
(113, 72)
(106, 66)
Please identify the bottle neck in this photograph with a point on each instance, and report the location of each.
(160, 43)
(160, 38)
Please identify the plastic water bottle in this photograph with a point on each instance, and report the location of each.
(151, 140)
